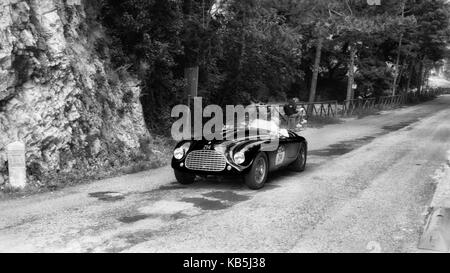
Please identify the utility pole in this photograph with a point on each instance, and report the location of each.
(315, 77)
(397, 64)
(191, 70)
(351, 73)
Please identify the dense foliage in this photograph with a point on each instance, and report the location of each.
(267, 49)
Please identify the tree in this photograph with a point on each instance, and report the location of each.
(260, 52)
(400, 44)
(356, 20)
(271, 49)
(431, 35)
(314, 14)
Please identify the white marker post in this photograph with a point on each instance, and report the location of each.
(17, 165)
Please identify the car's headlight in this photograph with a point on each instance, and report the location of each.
(181, 152)
(178, 153)
(239, 158)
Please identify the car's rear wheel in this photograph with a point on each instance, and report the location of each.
(299, 164)
(184, 178)
(257, 176)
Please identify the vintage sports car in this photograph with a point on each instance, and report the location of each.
(251, 157)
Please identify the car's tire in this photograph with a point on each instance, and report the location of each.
(299, 164)
(256, 178)
(184, 178)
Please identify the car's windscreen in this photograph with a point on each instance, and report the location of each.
(264, 125)
(255, 128)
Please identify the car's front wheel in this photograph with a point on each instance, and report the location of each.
(257, 176)
(184, 178)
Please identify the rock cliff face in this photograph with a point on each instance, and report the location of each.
(58, 93)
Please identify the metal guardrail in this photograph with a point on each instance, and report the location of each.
(360, 106)
(430, 93)
(388, 102)
(350, 107)
(321, 109)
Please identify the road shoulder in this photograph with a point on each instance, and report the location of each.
(442, 177)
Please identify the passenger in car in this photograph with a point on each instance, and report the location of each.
(294, 115)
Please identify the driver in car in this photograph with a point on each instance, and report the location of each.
(295, 117)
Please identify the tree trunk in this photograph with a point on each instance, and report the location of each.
(426, 83)
(243, 48)
(411, 74)
(351, 74)
(191, 77)
(397, 64)
(191, 61)
(397, 67)
(312, 94)
(403, 68)
(420, 83)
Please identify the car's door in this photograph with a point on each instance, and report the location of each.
(287, 151)
(292, 148)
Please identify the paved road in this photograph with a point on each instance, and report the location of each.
(368, 187)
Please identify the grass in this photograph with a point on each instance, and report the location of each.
(419, 99)
(368, 112)
(319, 122)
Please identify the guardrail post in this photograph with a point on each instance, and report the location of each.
(17, 165)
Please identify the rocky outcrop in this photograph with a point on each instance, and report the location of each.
(58, 93)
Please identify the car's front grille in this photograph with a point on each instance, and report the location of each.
(206, 160)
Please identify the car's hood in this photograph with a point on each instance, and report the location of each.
(233, 140)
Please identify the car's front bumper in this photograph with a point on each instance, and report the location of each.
(230, 170)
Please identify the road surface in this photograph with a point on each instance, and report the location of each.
(368, 187)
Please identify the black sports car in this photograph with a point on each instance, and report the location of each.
(253, 155)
